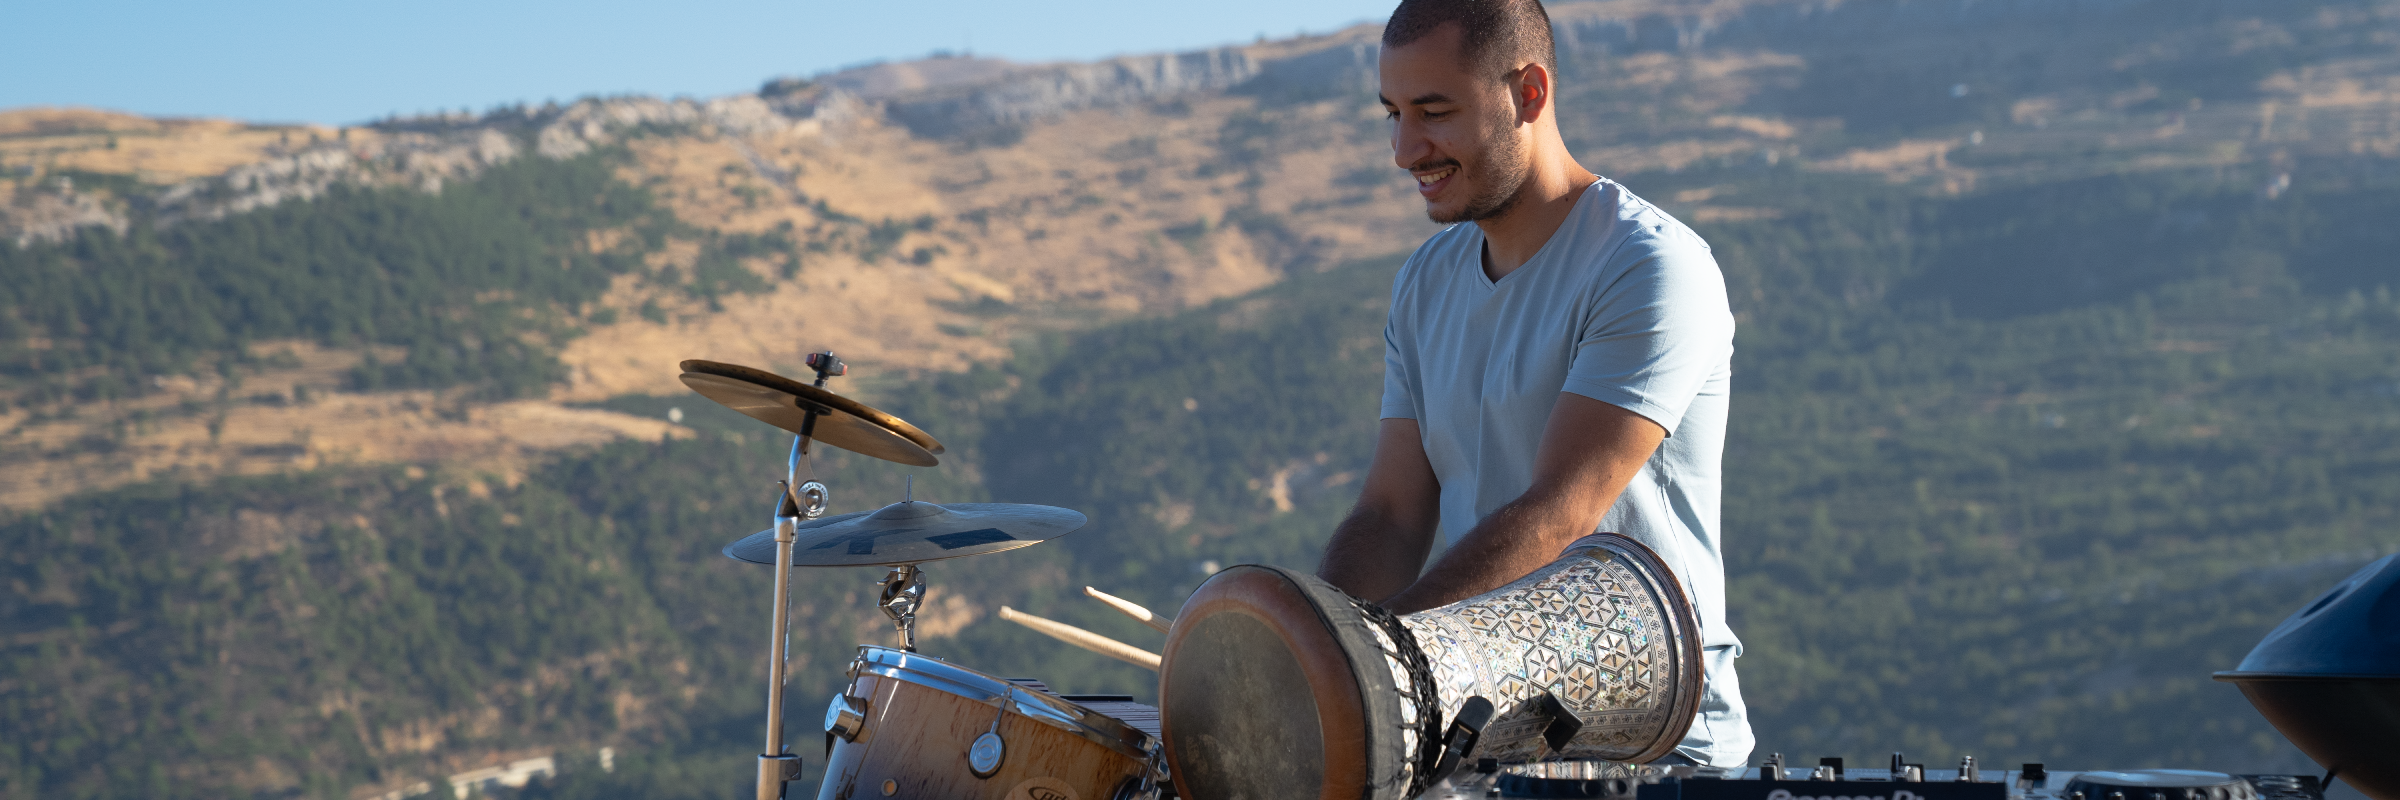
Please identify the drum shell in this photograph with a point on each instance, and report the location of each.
(1606, 629)
(917, 736)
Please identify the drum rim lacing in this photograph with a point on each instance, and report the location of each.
(1421, 689)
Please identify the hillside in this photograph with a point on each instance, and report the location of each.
(2066, 368)
(938, 211)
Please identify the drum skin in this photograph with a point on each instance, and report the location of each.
(917, 738)
(1266, 689)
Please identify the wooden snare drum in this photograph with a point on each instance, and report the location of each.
(917, 727)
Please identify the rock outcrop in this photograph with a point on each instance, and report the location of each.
(1033, 94)
(888, 79)
(423, 152)
(54, 211)
(590, 122)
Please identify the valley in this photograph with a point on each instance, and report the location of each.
(339, 461)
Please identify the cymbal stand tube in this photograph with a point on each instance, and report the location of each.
(802, 498)
(771, 770)
(776, 768)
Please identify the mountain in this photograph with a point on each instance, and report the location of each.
(347, 460)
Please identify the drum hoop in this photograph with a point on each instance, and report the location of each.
(936, 674)
(1684, 622)
(1331, 662)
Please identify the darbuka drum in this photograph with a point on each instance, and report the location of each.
(1276, 684)
(912, 726)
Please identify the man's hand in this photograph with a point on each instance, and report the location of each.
(1590, 451)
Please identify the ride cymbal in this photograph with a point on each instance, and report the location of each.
(785, 403)
(913, 532)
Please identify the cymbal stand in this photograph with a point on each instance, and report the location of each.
(802, 498)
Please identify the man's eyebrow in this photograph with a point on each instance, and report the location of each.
(1420, 100)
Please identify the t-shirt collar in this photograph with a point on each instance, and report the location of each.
(1567, 230)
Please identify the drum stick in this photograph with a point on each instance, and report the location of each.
(1084, 639)
(1137, 612)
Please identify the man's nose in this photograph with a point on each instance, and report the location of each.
(1408, 143)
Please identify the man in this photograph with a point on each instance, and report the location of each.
(1556, 368)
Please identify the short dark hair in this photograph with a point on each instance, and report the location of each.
(1495, 35)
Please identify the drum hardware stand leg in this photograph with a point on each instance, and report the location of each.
(801, 498)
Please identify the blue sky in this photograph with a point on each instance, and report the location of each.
(336, 63)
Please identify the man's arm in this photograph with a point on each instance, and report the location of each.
(1590, 451)
(1379, 549)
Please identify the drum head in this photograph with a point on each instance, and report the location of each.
(1272, 686)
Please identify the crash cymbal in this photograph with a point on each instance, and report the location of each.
(841, 421)
(913, 533)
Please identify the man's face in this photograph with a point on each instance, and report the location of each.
(1453, 128)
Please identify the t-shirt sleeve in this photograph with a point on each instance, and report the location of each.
(1656, 334)
(1400, 398)
(1403, 396)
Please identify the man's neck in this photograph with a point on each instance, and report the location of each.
(1543, 203)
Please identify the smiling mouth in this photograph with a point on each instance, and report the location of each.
(1436, 176)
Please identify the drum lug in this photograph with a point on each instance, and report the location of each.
(1563, 723)
(983, 758)
(1145, 786)
(1135, 787)
(986, 753)
(845, 717)
(1465, 730)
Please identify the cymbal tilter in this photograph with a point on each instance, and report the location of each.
(903, 592)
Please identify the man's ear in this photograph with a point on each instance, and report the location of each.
(1529, 89)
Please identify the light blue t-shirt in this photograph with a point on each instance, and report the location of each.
(1623, 305)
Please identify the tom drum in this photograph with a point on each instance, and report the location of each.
(913, 726)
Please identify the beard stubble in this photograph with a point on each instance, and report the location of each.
(1502, 177)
